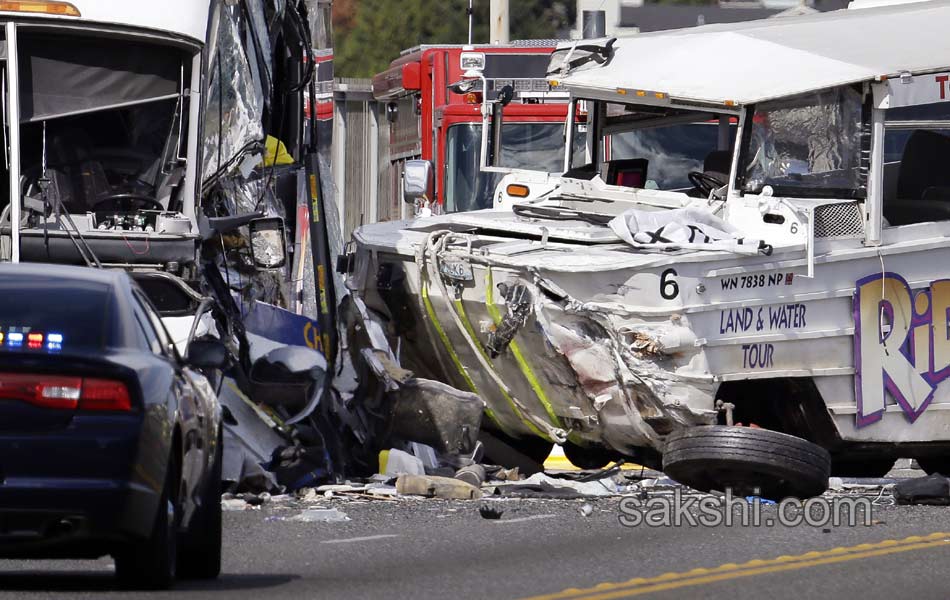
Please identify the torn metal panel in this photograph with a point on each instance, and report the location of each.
(250, 438)
(235, 106)
(261, 43)
(427, 411)
(539, 356)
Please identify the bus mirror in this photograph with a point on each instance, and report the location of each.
(417, 181)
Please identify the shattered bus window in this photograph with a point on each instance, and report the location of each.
(807, 145)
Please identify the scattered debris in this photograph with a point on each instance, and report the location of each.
(932, 490)
(320, 515)
(502, 474)
(397, 462)
(256, 499)
(473, 474)
(491, 512)
(233, 504)
(380, 489)
(427, 411)
(540, 485)
(586, 510)
(437, 487)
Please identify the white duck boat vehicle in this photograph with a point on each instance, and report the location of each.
(783, 315)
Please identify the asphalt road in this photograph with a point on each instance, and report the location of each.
(439, 549)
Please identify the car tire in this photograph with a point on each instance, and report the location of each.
(748, 461)
(862, 467)
(200, 554)
(587, 458)
(150, 564)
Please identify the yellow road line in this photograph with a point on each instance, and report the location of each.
(670, 581)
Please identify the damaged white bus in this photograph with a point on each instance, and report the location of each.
(783, 317)
(181, 141)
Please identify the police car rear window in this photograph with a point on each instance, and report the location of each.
(50, 315)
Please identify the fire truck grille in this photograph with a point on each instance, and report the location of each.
(839, 220)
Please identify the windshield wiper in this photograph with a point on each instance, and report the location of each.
(560, 214)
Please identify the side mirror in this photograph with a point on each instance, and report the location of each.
(267, 243)
(206, 354)
(417, 179)
(492, 120)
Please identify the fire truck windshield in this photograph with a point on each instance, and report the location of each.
(531, 146)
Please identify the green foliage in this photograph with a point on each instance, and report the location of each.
(366, 44)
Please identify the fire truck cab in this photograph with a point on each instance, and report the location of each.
(434, 114)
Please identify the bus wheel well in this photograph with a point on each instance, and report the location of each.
(791, 405)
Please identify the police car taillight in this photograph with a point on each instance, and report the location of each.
(65, 393)
(104, 394)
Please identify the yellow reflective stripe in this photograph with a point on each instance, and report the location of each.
(516, 352)
(460, 308)
(430, 310)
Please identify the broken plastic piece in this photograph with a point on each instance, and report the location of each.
(473, 474)
(397, 462)
(321, 515)
(437, 487)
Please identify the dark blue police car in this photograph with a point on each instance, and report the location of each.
(110, 442)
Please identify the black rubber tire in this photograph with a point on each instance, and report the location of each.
(151, 564)
(861, 467)
(587, 458)
(935, 464)
(746, 459)
(199, 556)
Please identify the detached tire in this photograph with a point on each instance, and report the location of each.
(200, 554)
(746, 459)
(151, 564)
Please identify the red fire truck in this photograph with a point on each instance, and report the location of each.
(431, 117)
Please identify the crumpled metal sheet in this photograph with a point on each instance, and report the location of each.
(236, 92)
(242, 196)
(249, 440)
(258, 29)
(427, 411)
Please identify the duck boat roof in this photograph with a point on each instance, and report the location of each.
(746, 63)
